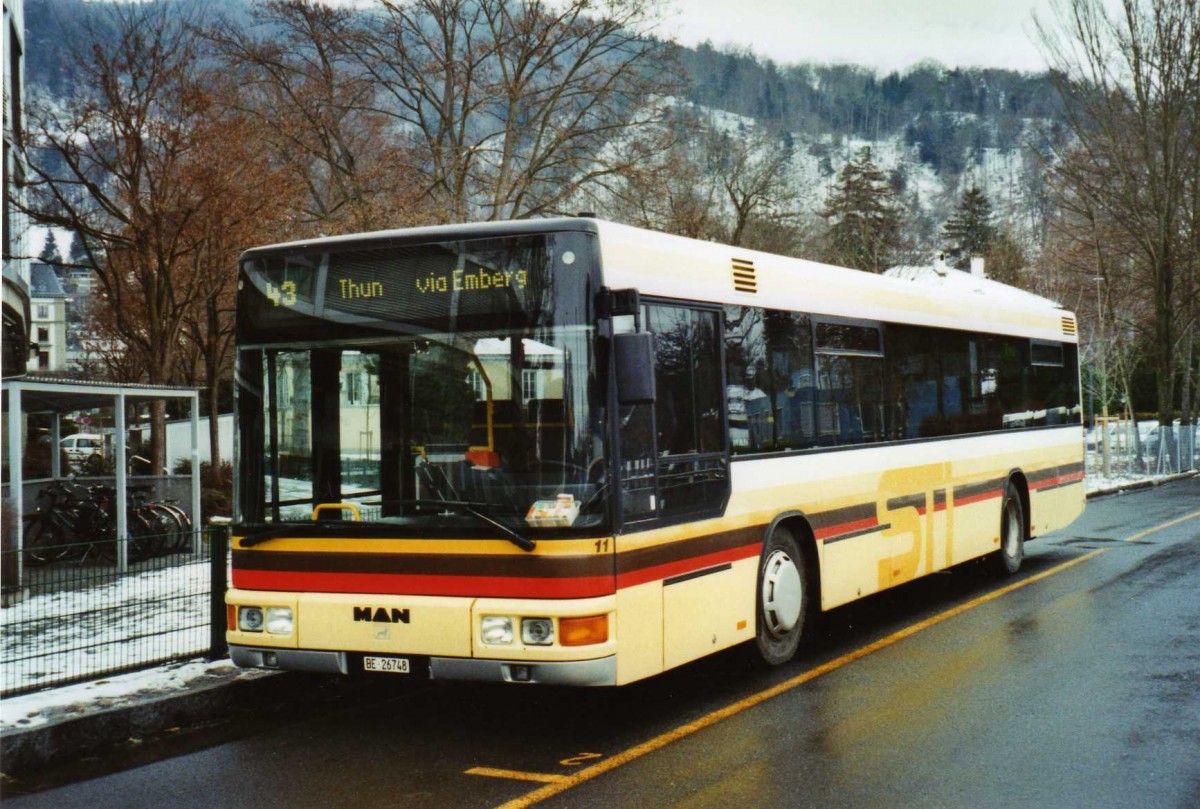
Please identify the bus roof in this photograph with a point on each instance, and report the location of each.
(660, 264)
(434, 233)
(677, 267)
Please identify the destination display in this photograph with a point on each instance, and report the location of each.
(420, 284)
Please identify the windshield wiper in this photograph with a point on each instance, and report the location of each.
(522, 542)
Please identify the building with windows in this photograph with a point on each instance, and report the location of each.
(16, 268)
(48, 324)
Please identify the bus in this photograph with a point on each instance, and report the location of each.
(570, 451)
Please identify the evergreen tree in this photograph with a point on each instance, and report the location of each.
(864, 221)
(970, 231)
(50, 254)
(77, 255)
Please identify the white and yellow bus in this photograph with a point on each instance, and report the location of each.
(570, 451)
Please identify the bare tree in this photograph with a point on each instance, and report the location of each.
(510, 107)
(311, 106)
(712, 183)
(163, 179)
(257, 201)
(672, 191)
(1085, 263)
(1130, 83)
(115, 167)
(753, 170)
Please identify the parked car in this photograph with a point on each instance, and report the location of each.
(81, 446)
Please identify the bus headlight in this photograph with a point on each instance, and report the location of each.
(537, 631)
(250, 619)
(279, 620)
(497, 629)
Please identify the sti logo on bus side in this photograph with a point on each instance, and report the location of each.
(381, 616)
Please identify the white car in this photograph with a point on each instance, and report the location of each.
(81, 446)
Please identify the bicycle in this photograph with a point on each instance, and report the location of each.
(68, 517)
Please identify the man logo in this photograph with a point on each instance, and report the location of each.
(381, 616)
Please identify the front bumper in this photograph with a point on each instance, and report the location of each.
(602, 671)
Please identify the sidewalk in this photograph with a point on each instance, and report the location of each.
(39, 729)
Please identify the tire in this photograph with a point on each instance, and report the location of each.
(1007, 560)
(146, 537)
(166, 526)
(781, 607)
(93, 464)
(183, 531)
(43, 541)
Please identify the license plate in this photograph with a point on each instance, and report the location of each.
(392, 665)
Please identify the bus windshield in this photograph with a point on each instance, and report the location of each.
(462, 412)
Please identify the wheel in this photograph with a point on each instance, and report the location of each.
(147, 534)
(43, 541)
(782, 608)
(184, 543)
(173, 521)
(93, 464)
(1012, 534)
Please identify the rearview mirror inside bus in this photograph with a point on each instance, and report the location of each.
(635, 368)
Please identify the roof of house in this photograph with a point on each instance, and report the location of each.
(43, 282)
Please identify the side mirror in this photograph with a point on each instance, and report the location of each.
(635, 367)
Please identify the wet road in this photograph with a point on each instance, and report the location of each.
(1076, 683)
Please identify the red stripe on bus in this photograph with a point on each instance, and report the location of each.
(845, 528)
(672, 569)
(401, 584)
(1062, 480)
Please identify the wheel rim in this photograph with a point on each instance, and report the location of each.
(782, 594)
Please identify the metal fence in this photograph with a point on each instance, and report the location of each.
(75, 617)
(1142, 450)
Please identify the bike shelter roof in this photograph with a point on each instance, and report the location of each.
(50, 395)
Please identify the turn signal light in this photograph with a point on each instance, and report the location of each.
(585, 631)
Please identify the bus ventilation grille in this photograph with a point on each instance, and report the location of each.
(1068, 326)
(745, 279)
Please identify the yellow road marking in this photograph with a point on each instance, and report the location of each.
(565, 783)
(1149, 531)
(492, 772)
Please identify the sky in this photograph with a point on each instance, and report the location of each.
(884, 34)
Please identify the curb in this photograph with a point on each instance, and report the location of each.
(27, 750)
(1141, 484)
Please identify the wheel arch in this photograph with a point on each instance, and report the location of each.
(798, 523)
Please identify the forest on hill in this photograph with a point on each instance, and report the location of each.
(949, 116)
